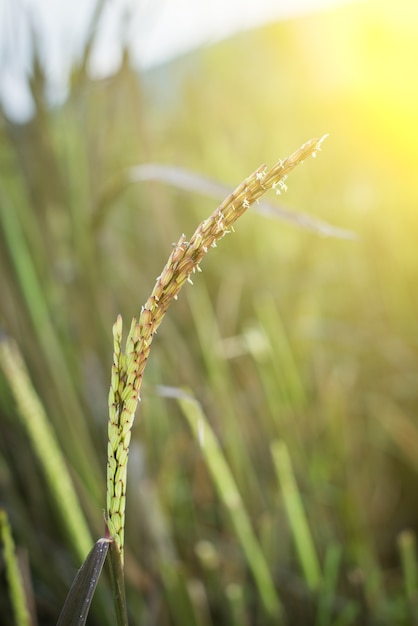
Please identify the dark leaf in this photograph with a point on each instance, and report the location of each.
(79, 598)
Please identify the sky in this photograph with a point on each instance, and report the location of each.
(155, 30)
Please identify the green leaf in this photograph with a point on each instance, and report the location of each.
(228, 491)
(13, 574)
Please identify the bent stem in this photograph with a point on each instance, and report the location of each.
(129, 365)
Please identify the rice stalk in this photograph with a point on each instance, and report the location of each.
(129, 365)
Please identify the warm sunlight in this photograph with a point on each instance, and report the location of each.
(366, 55)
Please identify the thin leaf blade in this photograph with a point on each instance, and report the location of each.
(77, 604)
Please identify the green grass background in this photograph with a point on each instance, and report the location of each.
(300, 349)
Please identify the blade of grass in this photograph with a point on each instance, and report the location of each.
(77, 604)
(282, 359)
(178, 595)
(190, 181)
(13, 574)
(371, 578)
(296, 515)
(218, 377)
(236, 598)
(37, 308)
(45, 445)
(407, 545)
(329, 587)
(174, 580)
(401, 429)
(348, 615)
(231, 498)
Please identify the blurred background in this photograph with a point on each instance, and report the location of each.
(286, 335)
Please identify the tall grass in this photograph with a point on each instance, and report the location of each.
(285, 336)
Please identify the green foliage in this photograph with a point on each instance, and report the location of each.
(13, 574)
(285, 335)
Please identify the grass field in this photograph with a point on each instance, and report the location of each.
(295, 354)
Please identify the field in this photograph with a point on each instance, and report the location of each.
(295, 352)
